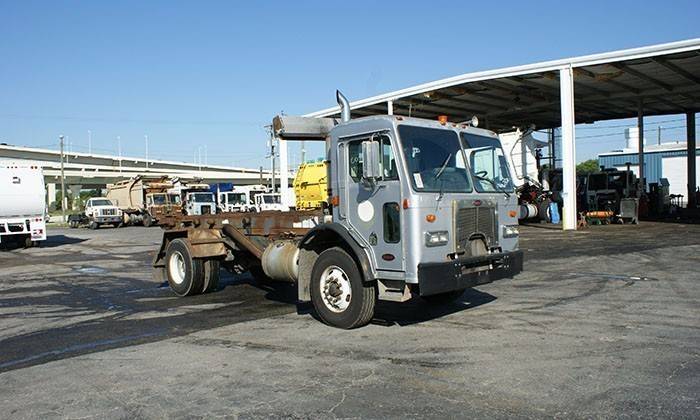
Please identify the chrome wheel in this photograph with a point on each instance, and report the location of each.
(176, 266)
(336, 291)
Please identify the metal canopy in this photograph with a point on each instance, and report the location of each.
(664, 78)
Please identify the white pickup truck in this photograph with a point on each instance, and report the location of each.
(98, 211)
(22, 204)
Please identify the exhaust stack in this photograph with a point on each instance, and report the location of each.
(344, 106)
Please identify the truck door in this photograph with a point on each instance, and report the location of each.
(374, 209)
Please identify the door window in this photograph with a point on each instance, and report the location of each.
(388, 162)
(392, 223)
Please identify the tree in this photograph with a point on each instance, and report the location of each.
(587, 167)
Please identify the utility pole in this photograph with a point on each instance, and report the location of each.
(89, 142)
(63, 185)
(272, 163)
(146, 138)
(658, 139)
(119, 151)
(303, 152)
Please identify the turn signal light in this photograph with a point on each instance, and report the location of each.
(405, 203)
(335, 201)
(512, 213)
(430, 218)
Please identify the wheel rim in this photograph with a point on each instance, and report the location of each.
(336, 291)
(176, 266)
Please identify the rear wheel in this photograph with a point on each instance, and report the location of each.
(212, 270)
(338, 292)
(185, 274)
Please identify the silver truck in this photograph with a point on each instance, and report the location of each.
(416, 208)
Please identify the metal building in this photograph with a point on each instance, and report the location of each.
(660, 79)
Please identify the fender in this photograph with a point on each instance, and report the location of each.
(359, 251)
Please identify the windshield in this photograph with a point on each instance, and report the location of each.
(101, 202)
(174, 198)
(271, 199)
(202, 198)
(160, 199)
(236, 199)
(435, 160)
(487, 162)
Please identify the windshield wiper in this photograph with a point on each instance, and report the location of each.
(493, 183)
(443, 166)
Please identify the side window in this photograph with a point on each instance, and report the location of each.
(392, 225)
(355, 159)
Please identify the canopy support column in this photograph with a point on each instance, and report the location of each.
(691, 142)
(390, 107)
(568, 148)
(640, 147)
(284, 172)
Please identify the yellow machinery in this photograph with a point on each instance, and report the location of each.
(311, 186)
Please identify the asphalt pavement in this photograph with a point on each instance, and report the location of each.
(602, 323)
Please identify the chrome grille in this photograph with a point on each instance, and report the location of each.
(471, 220)
(108, 212)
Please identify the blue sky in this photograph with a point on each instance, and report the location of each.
(195, 74)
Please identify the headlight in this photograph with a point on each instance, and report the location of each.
(510, 231)
(438, 238)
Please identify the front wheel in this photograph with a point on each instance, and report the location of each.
(147, 220)
(94, 225)
(338, 293)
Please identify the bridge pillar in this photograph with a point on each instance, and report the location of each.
(50, 194)
(75, 193)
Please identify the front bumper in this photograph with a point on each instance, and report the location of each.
(108, 219)
(441, 277)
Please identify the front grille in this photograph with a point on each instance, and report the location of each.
(475, 220)
(108, 212)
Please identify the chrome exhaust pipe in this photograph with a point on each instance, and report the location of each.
(344, 106)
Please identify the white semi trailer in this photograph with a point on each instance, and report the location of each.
(22, 204)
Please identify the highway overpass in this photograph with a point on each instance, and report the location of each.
(86, 170)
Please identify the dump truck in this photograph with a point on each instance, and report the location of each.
(416, 208)
(22, 207)
(145, 200)
(311, 186)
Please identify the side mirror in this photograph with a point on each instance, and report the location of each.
(371, 163)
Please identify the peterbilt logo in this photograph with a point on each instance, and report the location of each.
(477, 203)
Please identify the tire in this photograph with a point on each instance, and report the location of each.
(147, 220)
(185, 274)
(94, 225)
(338, 293)
(444, 298)
(212, 270)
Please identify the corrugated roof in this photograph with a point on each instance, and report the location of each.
(665, 77)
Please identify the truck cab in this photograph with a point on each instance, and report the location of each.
(269, 202)
(200, 202)
(431, 204)
(161, 204)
